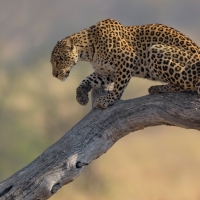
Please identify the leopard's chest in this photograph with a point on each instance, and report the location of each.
(104, 69)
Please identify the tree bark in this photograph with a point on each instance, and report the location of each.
(62, 162)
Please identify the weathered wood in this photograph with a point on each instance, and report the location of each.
(94, 135)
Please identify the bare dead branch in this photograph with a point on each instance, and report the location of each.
(94, 135)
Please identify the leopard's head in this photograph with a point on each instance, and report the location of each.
(63, 57)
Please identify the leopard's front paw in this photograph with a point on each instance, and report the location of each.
(82, 97)
(103, 102)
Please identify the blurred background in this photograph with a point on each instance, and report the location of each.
(158, 163)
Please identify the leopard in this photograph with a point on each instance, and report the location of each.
(117, 53)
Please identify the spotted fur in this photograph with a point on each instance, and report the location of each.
(117, 52)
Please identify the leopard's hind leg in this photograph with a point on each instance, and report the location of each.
(197, 85)
(174, 66)
(165, 88)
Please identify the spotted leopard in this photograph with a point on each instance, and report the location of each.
(117, 52)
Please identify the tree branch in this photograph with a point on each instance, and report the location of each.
(94, 135)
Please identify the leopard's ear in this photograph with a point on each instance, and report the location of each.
(70, 44)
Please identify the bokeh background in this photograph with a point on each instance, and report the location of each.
(158, 163)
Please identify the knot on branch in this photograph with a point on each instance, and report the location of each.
(81, 164)
(5, 191)
(56, 187)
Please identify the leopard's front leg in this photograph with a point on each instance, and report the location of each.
(122, 79)
(94, 80)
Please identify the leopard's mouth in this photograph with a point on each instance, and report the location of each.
(62, 75)
(66, 75)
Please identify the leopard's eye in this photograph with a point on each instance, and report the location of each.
(68, 48)
(57, 65)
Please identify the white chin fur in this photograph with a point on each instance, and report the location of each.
(64, 79)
